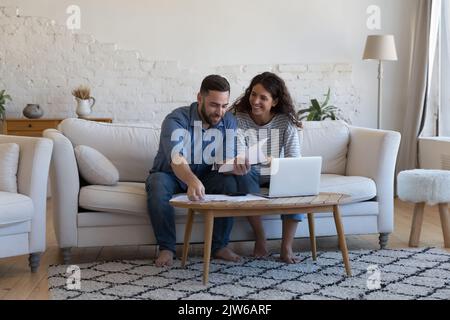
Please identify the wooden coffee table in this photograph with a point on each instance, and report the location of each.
(324, 202)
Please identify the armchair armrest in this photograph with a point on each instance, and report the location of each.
(32, 177)
(373, 153)
(65, 186)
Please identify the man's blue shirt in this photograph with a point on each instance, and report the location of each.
(182, 132)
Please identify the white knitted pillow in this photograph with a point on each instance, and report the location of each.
(9, 163)
(95, 168)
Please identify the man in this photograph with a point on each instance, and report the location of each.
(189, 169)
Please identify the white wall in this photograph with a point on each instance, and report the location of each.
(212, 33)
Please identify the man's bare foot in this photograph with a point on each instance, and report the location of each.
(165, 259)
(288, 256)
(260, 249)
(226, 254)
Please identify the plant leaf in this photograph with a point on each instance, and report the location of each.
(302, 111)
(315, 105)
(327, 99)
(303, 117)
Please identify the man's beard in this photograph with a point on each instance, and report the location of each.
(206, 117)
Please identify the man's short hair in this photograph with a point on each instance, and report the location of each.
(214, 82)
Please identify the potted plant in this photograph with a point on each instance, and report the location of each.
(3, 98)
(319, 112)
(85, 102)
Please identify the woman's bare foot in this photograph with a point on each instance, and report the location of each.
(165, 259)
(260, 249)
(226, 254)
(288, 256)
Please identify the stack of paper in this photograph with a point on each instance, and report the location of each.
(218, 197)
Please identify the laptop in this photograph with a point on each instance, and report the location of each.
(293, 177)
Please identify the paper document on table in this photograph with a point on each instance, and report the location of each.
(219, 197)
(255, 155)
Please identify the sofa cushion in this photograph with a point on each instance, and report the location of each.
(329, 139)
(131, 197)
(138, 144)
(125, 197)
(9, 162)
(358, 188)
(15, 208)
(132, 152)
(94, 167)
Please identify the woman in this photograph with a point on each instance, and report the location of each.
(266, 111)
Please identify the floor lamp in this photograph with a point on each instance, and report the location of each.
(381, 48)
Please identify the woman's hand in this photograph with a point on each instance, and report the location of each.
(241, 166)
(268, 161)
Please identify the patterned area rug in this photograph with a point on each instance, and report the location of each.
(385, 274)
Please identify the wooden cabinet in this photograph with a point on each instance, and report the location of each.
(35, 127)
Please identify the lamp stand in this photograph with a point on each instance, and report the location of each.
(380, 78)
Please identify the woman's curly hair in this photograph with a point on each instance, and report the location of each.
(278, 90)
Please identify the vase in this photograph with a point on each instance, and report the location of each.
(33, 111)
(84, 107)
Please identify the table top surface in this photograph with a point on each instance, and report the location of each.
(323, 199)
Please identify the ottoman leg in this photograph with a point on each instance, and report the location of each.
(443, 211)
(416, 224)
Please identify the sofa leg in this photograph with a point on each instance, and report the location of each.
(384, 238)
(66, 255)
(34, 260)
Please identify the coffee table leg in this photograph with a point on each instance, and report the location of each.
(341, 236)
(312, 235)
(209, 225)
(187, 236)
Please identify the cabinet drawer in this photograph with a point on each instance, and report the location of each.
(15, 125)
(25, 133)
(35, 127)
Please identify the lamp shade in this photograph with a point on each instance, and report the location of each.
(380, 47)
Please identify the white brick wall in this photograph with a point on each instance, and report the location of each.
(41, 62)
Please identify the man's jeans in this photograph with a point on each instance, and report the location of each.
(161, 186)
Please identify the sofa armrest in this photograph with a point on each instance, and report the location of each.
(65, 186)
(373, 154)
(32, 178)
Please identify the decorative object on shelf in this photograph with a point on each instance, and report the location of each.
(381, 48)
(85, 102)
(319, 112)
(3, 98)
(33, 111)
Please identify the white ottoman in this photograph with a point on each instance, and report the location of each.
(425, 187)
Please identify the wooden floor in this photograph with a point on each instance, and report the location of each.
(16, 281)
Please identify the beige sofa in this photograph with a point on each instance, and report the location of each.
(356, 161)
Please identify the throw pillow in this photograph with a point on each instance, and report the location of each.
(94, 167)
(9, 163)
